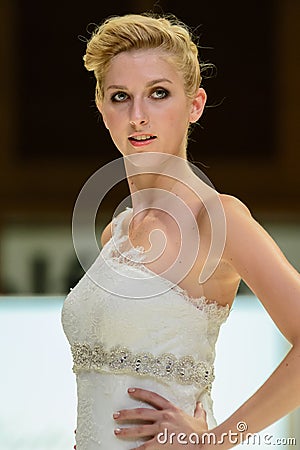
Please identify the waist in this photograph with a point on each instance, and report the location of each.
(101, 394)
(165, 366)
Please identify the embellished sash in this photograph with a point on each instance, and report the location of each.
(165, 366)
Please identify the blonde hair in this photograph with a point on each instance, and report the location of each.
(143, 31)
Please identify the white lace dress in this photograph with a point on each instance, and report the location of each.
(128, 327)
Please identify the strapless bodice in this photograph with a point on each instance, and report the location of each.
(128, 326)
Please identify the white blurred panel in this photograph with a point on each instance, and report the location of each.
(37, 385)
(249, 348)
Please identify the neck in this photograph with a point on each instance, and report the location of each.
(156, 179)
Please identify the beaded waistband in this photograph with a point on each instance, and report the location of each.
(166, 366)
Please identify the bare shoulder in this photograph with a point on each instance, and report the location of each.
(243, 232)
(240, 223)
(259, 261)
(235, 212)
(248, 245)
(106, 234)
(233, 206)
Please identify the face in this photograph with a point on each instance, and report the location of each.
(145, 107)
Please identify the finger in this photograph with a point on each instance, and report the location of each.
(136, 432)
(150, 397)
(200, 414)
(147, 414)
(199, 411)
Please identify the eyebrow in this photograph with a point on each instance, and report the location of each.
(149, 84)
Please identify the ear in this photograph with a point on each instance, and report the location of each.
(99, 106)
(197, 105)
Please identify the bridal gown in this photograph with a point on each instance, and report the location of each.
(129, 327)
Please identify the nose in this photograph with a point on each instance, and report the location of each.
(138, 116)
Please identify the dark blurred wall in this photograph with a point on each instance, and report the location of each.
(52, 138)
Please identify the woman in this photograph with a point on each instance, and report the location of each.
(143, 322)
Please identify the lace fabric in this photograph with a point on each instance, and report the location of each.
(135, 257)
(171, 323)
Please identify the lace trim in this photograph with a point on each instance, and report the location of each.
(166, 366)
(134, 257)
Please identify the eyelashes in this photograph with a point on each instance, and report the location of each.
(160, 93)
(119, 97)
(156, 94)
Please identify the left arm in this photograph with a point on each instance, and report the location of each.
(261, 264)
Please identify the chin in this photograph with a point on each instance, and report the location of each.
(147, 159)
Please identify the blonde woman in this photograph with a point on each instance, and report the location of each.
(143, 321)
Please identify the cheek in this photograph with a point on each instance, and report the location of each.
(115, 118)
(117, 129)
(179, 113)
(109, 119)
(112, 124)
(179, 122)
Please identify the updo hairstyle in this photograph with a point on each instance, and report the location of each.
(143, 31)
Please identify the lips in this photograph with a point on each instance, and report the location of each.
(141, 139)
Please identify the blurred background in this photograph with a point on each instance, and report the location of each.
(52, 140)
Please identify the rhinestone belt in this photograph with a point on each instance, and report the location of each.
(166, 366)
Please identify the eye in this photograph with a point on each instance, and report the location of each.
(119, 97)
(160, 93)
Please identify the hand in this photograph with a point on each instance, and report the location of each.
(158, 424)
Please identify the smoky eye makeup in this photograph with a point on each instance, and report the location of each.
(160, 93)
(157, 93)
(119, 97)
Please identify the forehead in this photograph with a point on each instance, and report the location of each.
(141, 66)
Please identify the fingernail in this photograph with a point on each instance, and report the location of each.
(201, 405)
(117, 430)
(130, 390)
(116, 414)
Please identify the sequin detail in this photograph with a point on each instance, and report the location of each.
(166, 366)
